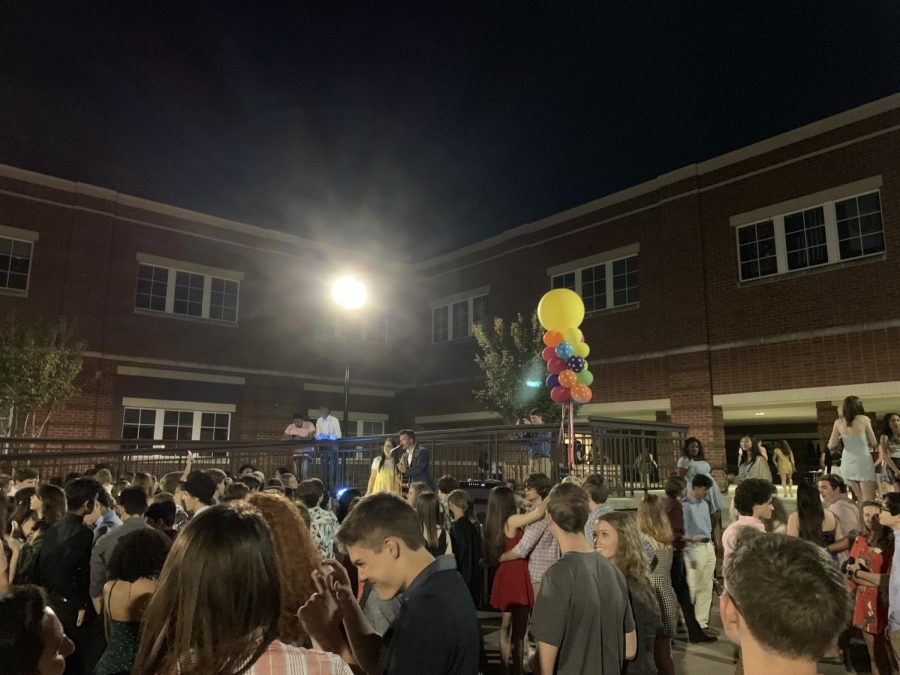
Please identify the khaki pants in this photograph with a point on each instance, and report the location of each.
(895, 643)
(701, 567)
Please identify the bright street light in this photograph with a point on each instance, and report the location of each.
(349, 292)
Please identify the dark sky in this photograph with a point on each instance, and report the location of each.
(416, 126)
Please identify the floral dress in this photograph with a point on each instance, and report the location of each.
(322, 525)
(870, 611)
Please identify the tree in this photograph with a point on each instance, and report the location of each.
(38, 366)
(513, 370)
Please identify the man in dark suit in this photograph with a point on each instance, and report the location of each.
(64, 565)
(415, 462)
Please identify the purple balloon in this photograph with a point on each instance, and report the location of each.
(552, 380)
(575, 363)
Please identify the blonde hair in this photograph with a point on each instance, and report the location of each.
(653, 521)
(630, 558)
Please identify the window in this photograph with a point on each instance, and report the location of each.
(625, 281)
(15, 263)
(454, 320)
(375, 330)
(214, 426)
(356, 428)
(223, 300)
(611, 283)
(139, 424)
(178, 425)
(459, 319)
(187, 293)
(352, 328)
(593, 288)
(440, 328)
(152, 287)
(804, 238)
(324, 327)
(175, 425)
(828, 233)
(859, 227)
(566, 280)
(757, 250)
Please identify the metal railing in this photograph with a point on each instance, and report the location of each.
(616, 449)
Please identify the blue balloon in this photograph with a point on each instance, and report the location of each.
(552, 380)
(575, 363)
(564, 350)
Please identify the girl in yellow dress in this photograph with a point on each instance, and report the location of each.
(384, 477)
(784, 461)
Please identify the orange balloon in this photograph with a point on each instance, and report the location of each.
(581, 393)
(552, 338)
(568, 379)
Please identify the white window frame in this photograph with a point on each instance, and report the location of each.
(162, 406)
(606, 259)
(336, 326)
(354, 418)
(29, 237)
(208, 273)
(827, 201)
(447, 304)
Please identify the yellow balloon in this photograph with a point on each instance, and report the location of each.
(573, 335)
(581, 349)
(560, 309)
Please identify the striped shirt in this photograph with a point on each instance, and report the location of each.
(282, 659)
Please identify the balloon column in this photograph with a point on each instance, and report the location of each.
(561, 312)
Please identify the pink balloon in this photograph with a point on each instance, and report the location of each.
(548, 353)
(559, 395)
(556, 366)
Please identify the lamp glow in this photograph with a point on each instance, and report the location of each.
(533, 384)
(349, 292)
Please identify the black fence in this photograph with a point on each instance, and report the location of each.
(630, 455)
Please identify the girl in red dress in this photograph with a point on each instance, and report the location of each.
(511, 593)
(872, 553)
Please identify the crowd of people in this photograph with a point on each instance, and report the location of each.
(199, 571)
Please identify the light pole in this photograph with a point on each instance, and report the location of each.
(349, 293)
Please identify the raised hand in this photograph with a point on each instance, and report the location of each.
(339, 583)
(321, 616)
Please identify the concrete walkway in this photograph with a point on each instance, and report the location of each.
(712, 658)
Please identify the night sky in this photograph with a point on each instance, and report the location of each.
(416, 127)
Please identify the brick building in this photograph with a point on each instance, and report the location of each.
(752, 291)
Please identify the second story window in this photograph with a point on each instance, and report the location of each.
(352, 329)
(454, 319)
(827, 232)
(603, 285)
(203, 293)
(15, 263)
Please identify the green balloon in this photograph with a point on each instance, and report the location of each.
(585, 377)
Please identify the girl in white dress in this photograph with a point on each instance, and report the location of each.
(853, 429)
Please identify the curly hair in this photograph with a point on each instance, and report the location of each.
(295, 554)
(630, 558)
(653, 521)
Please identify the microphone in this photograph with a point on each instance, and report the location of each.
(396, 447)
